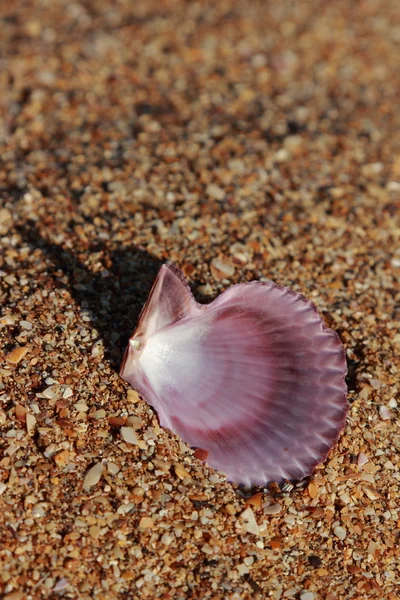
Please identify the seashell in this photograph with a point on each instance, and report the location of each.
(255, 378)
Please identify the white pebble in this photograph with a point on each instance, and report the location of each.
(81, 406)
(38, 511)
(375, 383)
(282, 155)
(167, 539)
(242, 569)
(345, 498)
(30, 423)
(290, 592)
(61, 585)
(362, 459)
(290, 520)
(112, 468)
(340, 532)
(215, 191)
(128, 435)
(97, 349)
(306, 596)
(93, 476)
(273, 509)
(372, 546)
(50, 393)
(385, 413)
(249, 521)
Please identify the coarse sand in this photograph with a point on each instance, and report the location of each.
(239, 140)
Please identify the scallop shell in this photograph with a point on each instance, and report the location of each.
(255, 378)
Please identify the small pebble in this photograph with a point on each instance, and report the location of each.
(273, 509)
(201, 454)
(385, 413)
(14, 596)
(230, 509)
(312, 490)
(282, 155)
(307, 596)
(255, 500)
(132, 396)
(5, 216)
(112, 468)
(206, 549)
(243, 569)
(97, 349)
(372, 547)
(50, 392)
(249, 521)
(16, 355)
(205, 290)
(30, 423)
(100, 414)
(375, 383)
(93, 476)
(290, 592)
(20, 412)
(180, 471)
(81, 407)
(128, 435)
(67, 393)
(39, 510)
(146, 523)
(61, 585)
(214, 191)
(167, 539)
(345, 498)
(7, 320)
(340, 532)
(61, 458)
(370, 492)
(221, 268)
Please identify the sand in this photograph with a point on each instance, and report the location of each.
(239, 140)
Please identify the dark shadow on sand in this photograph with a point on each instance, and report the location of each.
(113, 297)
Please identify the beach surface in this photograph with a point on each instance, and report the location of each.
(239, 140)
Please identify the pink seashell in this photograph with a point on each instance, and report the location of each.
(255, 378)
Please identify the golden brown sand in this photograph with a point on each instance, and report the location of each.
(240, 140)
